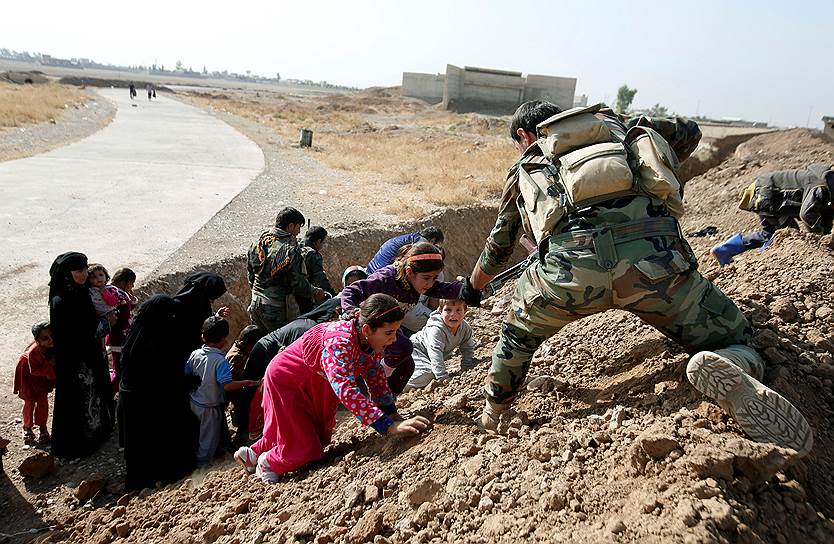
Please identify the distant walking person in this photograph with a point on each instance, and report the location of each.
(150, 91)
(132, 91)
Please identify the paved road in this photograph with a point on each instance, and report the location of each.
(129, 195)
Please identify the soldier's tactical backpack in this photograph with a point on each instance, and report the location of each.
(585, 164)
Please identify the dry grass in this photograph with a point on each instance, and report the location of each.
(22, 105)
(448, 158)
(445, 169)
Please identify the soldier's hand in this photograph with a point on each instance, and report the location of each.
(470, 295)
(319, 295)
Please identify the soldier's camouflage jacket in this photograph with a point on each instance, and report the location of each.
(275, 267)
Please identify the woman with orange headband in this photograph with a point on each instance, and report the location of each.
(305, 383)
(414, 273)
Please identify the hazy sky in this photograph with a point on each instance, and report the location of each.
(760, 60)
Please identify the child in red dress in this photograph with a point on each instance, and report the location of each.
(34, 378)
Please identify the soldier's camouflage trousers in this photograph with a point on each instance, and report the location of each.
(643, 267)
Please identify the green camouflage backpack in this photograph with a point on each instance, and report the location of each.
(584, 164)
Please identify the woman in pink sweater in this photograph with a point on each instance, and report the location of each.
(305, 383)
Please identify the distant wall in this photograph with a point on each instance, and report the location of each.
(828, 129)
(559, 90)
(428, 87)
(496, 91)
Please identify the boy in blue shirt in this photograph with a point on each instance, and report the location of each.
(215, 374)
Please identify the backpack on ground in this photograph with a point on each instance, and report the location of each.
(585, 164)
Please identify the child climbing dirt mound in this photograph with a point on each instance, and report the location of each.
(609, 442)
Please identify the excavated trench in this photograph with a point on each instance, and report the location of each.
(465, 229)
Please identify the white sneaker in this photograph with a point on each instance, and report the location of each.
(763, 414)
(246, 457)
(264, 472)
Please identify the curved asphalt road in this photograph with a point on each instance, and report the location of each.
(129, 195)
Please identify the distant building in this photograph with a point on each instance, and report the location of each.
(580, 101)
(428, 87)
(828, 126)
(489, 91)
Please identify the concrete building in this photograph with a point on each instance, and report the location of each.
(828, 126)
(580, 101)
(489, 91)
(428, 87)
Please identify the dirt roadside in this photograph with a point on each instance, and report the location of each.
(76, 123)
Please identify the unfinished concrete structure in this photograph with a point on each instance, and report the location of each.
(428, 87)
(489, 91)
(828, 126)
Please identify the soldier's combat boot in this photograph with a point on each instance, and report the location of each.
(491, 416)
(731, 377)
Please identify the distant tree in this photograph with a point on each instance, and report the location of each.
(625, 96)
(179, 66)
(204, 70)
(248, 73)
(277, 77)
(658, 111)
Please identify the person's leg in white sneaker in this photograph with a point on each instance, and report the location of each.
(247, 458)
(263, 471)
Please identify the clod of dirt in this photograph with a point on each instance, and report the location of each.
(37, 466)
(87, 489)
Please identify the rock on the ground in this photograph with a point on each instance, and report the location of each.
(37, 465)
(424, 491)
(87, 489)
(368, 525)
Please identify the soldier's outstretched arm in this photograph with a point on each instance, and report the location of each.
(479, 279)
(501, 241)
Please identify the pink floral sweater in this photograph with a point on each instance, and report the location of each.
(334, 347)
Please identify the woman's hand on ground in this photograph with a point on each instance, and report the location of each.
(223, 312)
(412, 426)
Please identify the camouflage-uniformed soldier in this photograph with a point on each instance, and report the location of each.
(625, 253)
(275, 272)
(314, 240)
(780, 198)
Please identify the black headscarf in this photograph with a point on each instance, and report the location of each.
(152, 340)
(194, 304)
(60, 273)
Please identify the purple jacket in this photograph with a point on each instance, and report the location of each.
(385, 281)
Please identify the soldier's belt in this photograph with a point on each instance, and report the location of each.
(603, 240)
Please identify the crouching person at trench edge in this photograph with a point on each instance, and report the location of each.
(602, 201)
(306, 382)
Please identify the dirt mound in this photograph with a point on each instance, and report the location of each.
(609, 444)
(99, 82)
(382, 92)
(23, 78)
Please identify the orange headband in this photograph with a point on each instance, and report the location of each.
(426, 257)
(386, 311)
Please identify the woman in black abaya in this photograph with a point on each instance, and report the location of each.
(83, 413)
(159, 430)
(194, 305)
